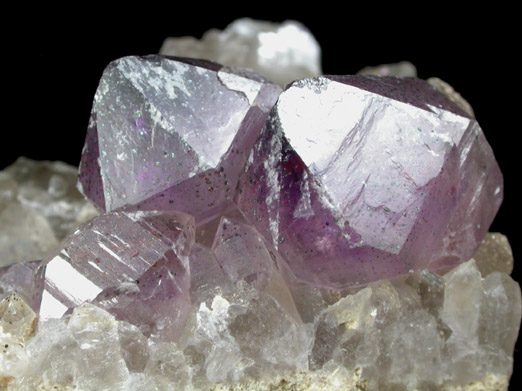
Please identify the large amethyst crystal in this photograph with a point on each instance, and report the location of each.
(355, 179)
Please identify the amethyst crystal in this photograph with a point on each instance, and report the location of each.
(25, 279)
(171, 134)
(134, 264)
(355, 179)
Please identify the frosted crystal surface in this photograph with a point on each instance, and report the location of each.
(356, 179)
(162, 128)
(281, 52)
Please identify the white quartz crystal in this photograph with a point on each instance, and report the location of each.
(281, 52)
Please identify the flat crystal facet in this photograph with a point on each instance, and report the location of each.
(356, 179)
(133, 264)
(170, 133)
(281, 52)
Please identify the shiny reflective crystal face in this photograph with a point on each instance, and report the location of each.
(157, 122)
(356, 179)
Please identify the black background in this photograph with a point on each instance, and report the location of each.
(53, 59)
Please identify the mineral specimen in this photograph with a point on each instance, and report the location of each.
(355, 179)
(281, 52)
(245, 251)
(167, 132)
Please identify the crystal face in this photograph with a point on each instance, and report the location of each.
(161, 127)
(132, 263)
(354, 179)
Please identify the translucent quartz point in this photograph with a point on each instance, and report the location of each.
(355, 179)
(16, 317)
(49, 188)
(171, 134)
(134, 264)
(281, 52)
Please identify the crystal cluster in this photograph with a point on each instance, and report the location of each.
(319, 238)
(281, 52)
(39, 206)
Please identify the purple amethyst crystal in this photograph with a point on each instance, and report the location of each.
(134, 264)
(25, 279)
(355, 179)
(171, 134)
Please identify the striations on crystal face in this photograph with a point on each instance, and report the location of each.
(281, 52)
(134, 264)
(356, 179)
(171, 134)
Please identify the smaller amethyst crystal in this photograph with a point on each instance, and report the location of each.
(25, 279)
(134, 264)
(171, 134)
(356, 179)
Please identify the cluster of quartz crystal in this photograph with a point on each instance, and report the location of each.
(281, 52)
(39, 206)
(253, 239)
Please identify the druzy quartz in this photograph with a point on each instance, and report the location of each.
(355, 179)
